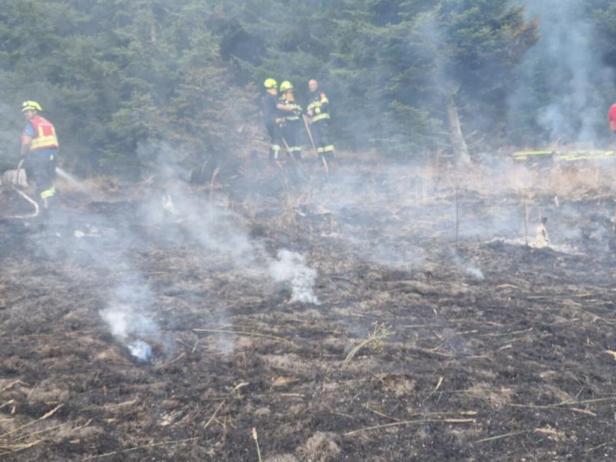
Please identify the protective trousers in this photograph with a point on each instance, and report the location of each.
(320, 135)
(274, 133)
(41, 170)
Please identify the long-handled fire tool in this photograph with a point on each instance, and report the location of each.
(525, 220)
(32, 202)
(314, 146)
(297, 166)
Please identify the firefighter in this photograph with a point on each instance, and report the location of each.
(612, 117)
(269, 100)
(318, 113)
(39, 147)
(290, 120)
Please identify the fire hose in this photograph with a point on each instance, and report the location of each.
(32, 202)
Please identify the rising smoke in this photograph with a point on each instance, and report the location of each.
(129, 317)
(565, 74)
(291, 267)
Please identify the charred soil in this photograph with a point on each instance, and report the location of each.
(421, 348)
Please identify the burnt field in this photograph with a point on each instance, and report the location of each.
(336, 321)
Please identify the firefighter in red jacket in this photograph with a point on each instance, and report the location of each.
(39, 146)
(612, 117)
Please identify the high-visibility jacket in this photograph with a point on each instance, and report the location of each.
(44, 134)
(318, 106)
(612, 117)
(294, 113)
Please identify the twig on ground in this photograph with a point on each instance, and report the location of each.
(12, 446)
(410, 422)
(245, 333)
(378, 336)
(223, 402)
(29, 424)
(145, 446)
(12, 449)
(256, 438)
(211, 419)
(380, 414)
(595, 448)
(8, 403)
(433, 351)
(162, 366)
(507, 334)
(12, 384)
(583, 411)
(564, 403)
(549, 432)
(436, 388)
(504, 435)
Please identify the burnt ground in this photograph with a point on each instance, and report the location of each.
(417, 351)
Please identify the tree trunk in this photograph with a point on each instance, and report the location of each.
(458, 142)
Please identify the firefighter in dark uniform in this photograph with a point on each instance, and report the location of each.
(290, 120)
(39, 147)
(269, 101)
(318, 113)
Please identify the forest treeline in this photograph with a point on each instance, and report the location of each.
(129, 81)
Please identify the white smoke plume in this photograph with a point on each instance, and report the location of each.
(129, 319)
(291, 267)
(564, 70)
(222, 232)
(125, 322)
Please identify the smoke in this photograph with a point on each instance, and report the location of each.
(128, 316)
(9, 132)
(140, 350)
(291, 267)
(467, 268)
(101, 247)
(225, 234)
(564, 73)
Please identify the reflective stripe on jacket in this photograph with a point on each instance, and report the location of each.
(318, 107)
(44, 134)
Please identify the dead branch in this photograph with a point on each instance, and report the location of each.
(145, 446)
(503, 436)
(245, 333)
(256, 438)
(379, 335)
(16, 382)
(12, 445)
(563, 403)
(29, 424)
(595, 448)
(12, 449)
(380, 414)
(211, 419)
(409, 422)
(436, 388)
(162, 366)
(8, 403)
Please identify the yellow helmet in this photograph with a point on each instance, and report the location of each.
(270, 84)
(286, 86)
(30, 106)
